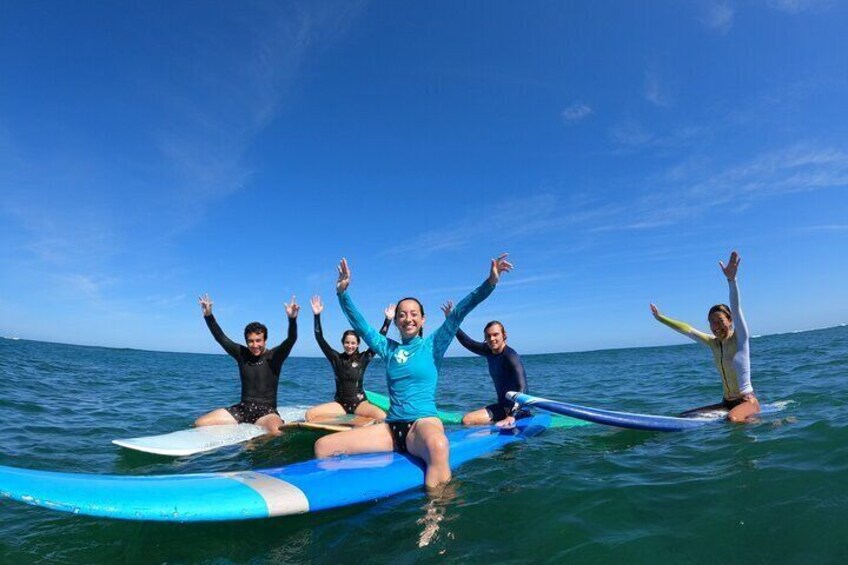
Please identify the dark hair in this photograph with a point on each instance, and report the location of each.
(420, 307)
(722, 308)
(256, 328)
(350, 332)
(495, 323)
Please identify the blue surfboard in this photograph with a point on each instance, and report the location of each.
(318, 484)
(612, 418)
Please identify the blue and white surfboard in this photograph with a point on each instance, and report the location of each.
(292, 489)
(610, 417)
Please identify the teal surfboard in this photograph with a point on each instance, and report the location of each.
(381, 401)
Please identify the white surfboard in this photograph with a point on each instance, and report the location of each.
(204, 438)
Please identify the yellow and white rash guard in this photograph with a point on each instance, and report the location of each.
(732, 357)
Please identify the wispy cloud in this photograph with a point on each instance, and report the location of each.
(655, 91)
(576, 112)
(226, 96)
(827, 227)
(90, 287)
(631, 133)
(688, 191)
(800, 6)
(719, 16)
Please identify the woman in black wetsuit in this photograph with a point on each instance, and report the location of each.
(349, 368)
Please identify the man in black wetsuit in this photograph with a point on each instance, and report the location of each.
(259, 370)
(505, 368)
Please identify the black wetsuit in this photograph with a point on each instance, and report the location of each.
(507, 373)
(349, 369)
(260, 374)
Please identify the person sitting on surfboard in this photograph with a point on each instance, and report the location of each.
(505, 368)
(412, 370)
(729, 344)
(259, 369)
(349, 368)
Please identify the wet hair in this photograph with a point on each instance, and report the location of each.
(256, 328)
(721, 308)
(494, 323)
(350, 332)
(420, 307)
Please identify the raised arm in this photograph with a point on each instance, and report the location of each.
(281, 353)
(372, 337)
(446, 332)
(317, 308)
(740, 326)
(232, 348)
(384, 329)
(476, 347)
(681, 327)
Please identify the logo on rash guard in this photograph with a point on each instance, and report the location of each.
(402, 356)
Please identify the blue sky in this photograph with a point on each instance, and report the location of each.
(154, 151)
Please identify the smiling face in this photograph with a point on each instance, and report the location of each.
(720, 324)
(409, 318)
(350, 342)
(495, 336)
(255, 343)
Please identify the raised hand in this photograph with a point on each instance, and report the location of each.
(292, 308)
(499, 265)
(732, 266)
(390, 311)
(447, 307)
(317, 305)
(655, 311)
(205, 304)
(344, 276)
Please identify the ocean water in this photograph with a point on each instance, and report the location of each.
(771, 492)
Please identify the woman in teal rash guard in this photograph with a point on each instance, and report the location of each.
(729, 345)
(412, 370)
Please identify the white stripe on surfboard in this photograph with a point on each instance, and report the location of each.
(282, 498)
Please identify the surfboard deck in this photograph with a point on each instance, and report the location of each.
(202, 439)
(381, 401)
(629, 420)
(309, 486)
(338, 424)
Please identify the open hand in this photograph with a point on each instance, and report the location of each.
(317, 305)
(655, 311)
(292, 308)
(447, 307)
(390, 311)
(205, 304)
(499, 265)
(344, 276)
(732, 266)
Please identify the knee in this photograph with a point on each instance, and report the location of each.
(437, 446)
(310, 414)
(324, 448)
(737, 418)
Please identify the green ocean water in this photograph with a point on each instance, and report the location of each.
(771, 492)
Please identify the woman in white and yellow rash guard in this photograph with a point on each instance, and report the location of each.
(729, 344)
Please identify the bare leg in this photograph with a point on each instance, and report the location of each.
(741, 412)
(270, 422)
(219, 417)
(370, 439)
(369, 411)
(427, 440)
(477, 418)
(324, 411)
